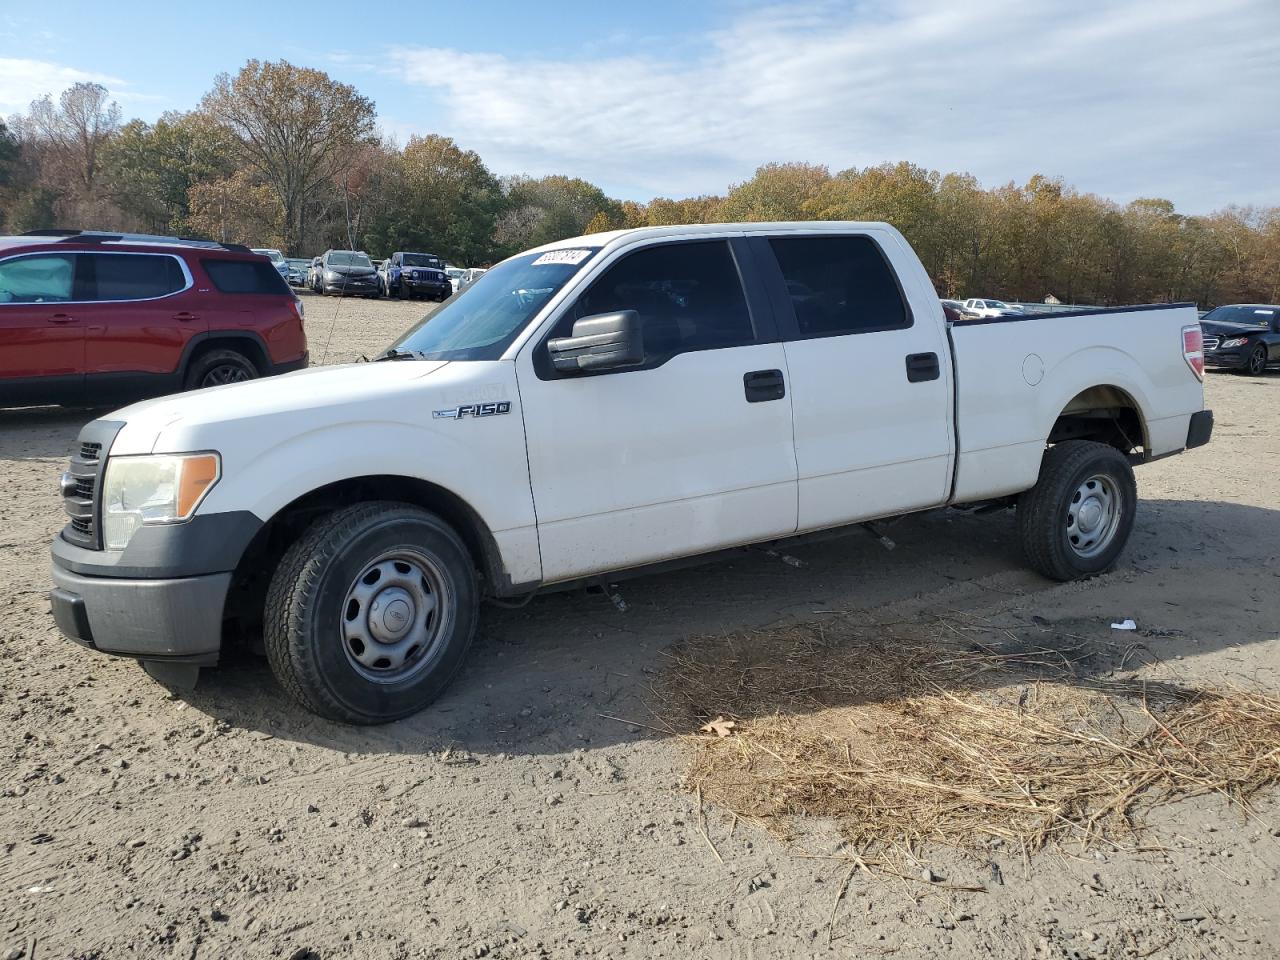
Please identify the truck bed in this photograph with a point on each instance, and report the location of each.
(1016, 375)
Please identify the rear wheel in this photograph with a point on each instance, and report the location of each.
(1256, 365)
(218, 367)
(1077, 518)
(369, 615)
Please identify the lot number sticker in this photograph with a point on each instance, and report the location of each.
(563, 256)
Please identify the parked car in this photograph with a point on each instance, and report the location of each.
(415, 275)
(954, 310)
(297, 275)
(457, 278)
(1243, 337)
(277, 260)
(314, 270)
(100, 318)
(596, 406)
(990, 308)
(348, 273)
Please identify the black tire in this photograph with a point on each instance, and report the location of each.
(309, 608)
(1256, 365)
(217, 367)
(1054, 533)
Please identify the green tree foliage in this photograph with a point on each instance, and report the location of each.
(294, 126)
(439, 199)
(551, 208)
(153, 167)
(778, 191)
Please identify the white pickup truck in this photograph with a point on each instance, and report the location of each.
(603, 404)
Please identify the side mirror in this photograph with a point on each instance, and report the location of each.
(602, 342)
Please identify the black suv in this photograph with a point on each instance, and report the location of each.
(415, 275)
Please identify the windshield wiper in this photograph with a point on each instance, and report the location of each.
(394, 354)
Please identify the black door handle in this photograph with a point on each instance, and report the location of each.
(922, 367)
(764, 385)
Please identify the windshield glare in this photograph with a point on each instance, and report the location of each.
(481, 321)
(1254, 316)
(345, 258)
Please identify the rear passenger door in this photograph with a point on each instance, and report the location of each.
(139, 322)
(688, 452)
(870, 382)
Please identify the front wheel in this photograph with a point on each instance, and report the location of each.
(370, 613)
(1077, 518)
(1256, 365)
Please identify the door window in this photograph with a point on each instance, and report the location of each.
(840, 285)
(40, 279)
(688, 295)
(132, 276)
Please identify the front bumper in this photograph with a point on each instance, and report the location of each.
(1233, 358)
(350, 289)
(161, 598)
(431, 287)
(179, 619)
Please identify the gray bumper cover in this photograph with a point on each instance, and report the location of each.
(162, 619)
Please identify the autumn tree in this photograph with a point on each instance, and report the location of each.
(294, 127)
(73, 131)
(442, 200)
(778, 191)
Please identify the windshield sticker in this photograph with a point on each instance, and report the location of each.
(562, 256)
(1265, 313)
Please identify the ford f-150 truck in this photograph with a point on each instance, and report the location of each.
(601, 405)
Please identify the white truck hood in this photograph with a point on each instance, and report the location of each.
(169, 424)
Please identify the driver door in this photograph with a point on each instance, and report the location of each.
(683, 454)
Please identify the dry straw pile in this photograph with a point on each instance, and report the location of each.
(954, 736)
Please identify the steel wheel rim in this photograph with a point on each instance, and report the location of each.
(225, 373)
(1258, 361)
(395, 617)
(1093, 516)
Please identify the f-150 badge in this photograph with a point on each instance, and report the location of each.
(473, 410)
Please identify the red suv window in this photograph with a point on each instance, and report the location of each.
(245, 276)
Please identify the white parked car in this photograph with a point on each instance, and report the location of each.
(990, 308)
(277, 260)
(457, 277)
(593, 407)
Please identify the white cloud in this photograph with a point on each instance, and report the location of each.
(22, 81)
(1176, 99)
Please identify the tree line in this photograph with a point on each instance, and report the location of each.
(284, 156)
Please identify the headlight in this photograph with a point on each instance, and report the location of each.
(332, 275)
(153, 489)
(1234, 342)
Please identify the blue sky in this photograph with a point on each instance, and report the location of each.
(1126, 98)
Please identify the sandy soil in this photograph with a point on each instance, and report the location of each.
(518, 818)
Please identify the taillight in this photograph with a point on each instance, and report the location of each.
(1193, 349)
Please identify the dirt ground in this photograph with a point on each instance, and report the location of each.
(534, 812)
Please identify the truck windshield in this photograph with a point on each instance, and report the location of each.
(481, 321)
(420, 260)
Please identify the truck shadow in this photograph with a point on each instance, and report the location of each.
(573, 670)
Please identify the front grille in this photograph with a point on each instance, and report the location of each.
(80, 497)
(1211, 343)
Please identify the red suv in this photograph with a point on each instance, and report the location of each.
(104, 318)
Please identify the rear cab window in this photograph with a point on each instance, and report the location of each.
(245, 276)
(839, 285)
